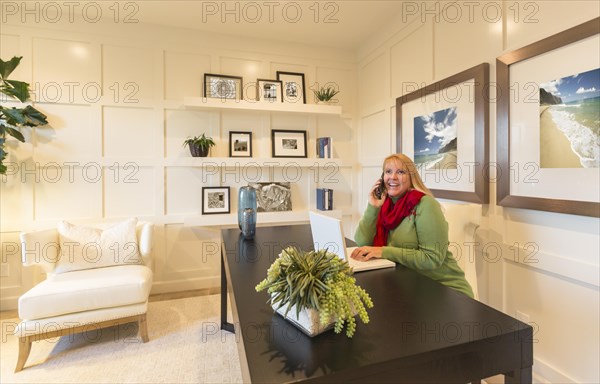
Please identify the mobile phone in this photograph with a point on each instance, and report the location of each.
(380, 189)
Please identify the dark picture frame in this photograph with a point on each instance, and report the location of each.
(240, 144)
(506, 104)
(286, 143)
(223, 86)
(477, 100)
(269, 90)
(293, 86)
(216, 200)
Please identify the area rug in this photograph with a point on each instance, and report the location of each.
(186, 346)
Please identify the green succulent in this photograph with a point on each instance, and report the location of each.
(325, 94)
(319, 280)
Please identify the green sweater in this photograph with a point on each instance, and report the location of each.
(419, 242)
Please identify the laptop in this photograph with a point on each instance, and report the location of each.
(328, 234)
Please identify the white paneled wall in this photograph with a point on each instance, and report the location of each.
(113, 149)
(558, 286)
(407, 77)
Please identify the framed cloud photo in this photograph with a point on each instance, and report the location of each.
(269, 90)
(443, 127)
(223, 86)
(548, 110)
(288, 143)
(240, 144)
(293, 87)
(215, 200)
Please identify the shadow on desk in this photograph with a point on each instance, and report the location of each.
(291, 347)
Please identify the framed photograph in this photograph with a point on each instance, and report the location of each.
(223, 86)
(444, 128)
(240, 144)
(215, 200)
(293, 87)
(273, 196)
(288, 143)
(269, 90)
(548, 109)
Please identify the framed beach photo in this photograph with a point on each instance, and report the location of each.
(293, 87)
(288, 143)
(223, 86)
(269, 90)
(444, 128)
(240, 144)
(548, 123)
(215, 200)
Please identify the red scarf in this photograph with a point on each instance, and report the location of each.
(391, 215)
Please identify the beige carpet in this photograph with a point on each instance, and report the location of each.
(185, 347)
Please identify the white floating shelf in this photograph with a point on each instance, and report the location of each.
(261, 106)
(262, 218)
(207, 162)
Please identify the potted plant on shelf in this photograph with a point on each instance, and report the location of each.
(315, 290)
(13, 119)
(199, 145)
(325, 94)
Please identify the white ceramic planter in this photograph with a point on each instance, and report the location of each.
(308, 320)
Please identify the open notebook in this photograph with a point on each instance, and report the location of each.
(327, 234)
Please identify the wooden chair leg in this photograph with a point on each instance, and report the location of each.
(24, 349)
(143, 328)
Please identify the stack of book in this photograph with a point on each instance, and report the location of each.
(324, 199)
(324, 148)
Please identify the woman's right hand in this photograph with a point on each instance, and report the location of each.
(373, 199)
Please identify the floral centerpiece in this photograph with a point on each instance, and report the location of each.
(316, 282)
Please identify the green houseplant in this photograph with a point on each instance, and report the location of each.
(318, 281)
(12, 119)
(199, 145)
(325, 94)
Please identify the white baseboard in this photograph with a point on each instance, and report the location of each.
(185, 285)
(9, 303)
(546, 374)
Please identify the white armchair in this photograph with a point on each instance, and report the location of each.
(78, 297)
(463, 220)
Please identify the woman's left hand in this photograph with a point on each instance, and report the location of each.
(367, 253)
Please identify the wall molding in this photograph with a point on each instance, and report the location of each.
(528, 255)
(545, 373)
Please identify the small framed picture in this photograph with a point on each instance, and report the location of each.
(215, 200)
(269, 90)
(223, 86)
(240, 144)
(293, 87)
(288, 143)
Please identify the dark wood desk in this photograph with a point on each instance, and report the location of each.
(420, 330)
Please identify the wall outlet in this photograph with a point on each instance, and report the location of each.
(523, 317)
(4, 270)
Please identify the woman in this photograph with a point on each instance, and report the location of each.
(406, 225)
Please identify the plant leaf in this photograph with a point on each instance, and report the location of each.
(16, 134)
(6, 67)
(34, 117)
(14, 116)
(18, 89)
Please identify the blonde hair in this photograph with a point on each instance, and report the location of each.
(413, 174)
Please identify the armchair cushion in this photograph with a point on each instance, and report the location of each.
(87, 248)
(86, 290)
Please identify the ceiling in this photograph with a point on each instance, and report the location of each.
(344, 24)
